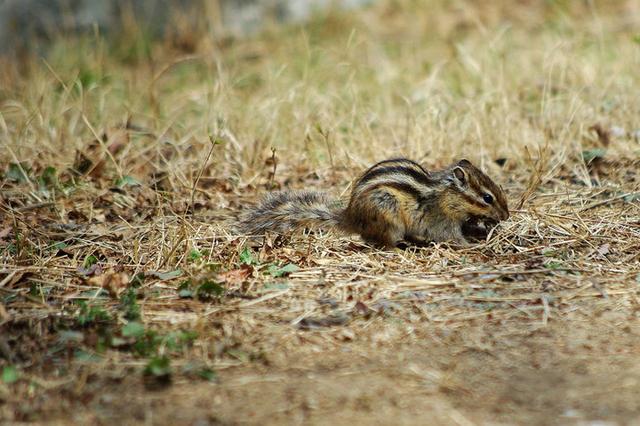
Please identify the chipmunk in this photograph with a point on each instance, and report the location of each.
(393, 204)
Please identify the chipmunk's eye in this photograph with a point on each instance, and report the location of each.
(487, 198)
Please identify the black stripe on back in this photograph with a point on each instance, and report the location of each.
(419, 176)
(400, 186)
(397, 160)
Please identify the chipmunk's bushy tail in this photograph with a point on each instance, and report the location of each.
(286, 211)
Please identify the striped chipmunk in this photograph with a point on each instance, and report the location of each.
(394, 203)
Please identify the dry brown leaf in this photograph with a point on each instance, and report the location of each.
(5, 232)
(361, 308)
(604, 135)
(117, 139)
(236, 276)
(4, 315)
(113, 282)
(603, 249)
(13, 278)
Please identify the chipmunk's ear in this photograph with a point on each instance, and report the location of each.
(464, 163)
(460, 176)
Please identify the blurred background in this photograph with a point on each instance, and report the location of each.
(339, 82)
(26, 23)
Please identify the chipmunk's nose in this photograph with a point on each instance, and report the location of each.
(504, 215)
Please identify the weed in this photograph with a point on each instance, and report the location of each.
(209, 289)
(18, 173)
(158, 366)
(127, 181)
(88, 314)
(10, 374)
(247, 257)
(89, 261)
(194, 255)
(129, 304)
(280, 271)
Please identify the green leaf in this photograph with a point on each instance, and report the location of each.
(207, 374)
(210, 289)
(147, 344)
(589, 155)
(177, 339)
(85, 356)
(70, 336)
(273, 270)
(632, 197)
(246, 257)
(117, 342)
(35, 290)
(553, 265)
(184, 289)
(288, 268)
(49, 178)
(88, 78)
(129, 304)
(10, 374)
(185, 294)
(91, 314)
(215, 141)
(164, 276)
(137, 280)
(194, 255)
(60, 245)
(127, 181)
(17, 173)
(277, 271)
(158, 366)
(10, 249)
(133, 329)
(276, 286)
(89, 261)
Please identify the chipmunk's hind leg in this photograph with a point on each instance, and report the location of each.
(383, 235)
(411, 240)
(375, 219)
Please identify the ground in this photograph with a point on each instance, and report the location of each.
(128, 296)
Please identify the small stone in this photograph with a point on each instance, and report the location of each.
(617, 131)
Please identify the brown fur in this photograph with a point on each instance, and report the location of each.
(393, 202)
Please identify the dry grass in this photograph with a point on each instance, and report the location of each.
(122, 180)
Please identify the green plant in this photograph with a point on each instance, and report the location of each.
(91, 314)
(129, 304)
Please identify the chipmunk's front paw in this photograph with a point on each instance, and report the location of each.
(477, 229)
(460, 240)
(462, 243)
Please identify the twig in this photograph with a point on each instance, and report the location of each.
(607, 201)
(201, 171)
(274, 160)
